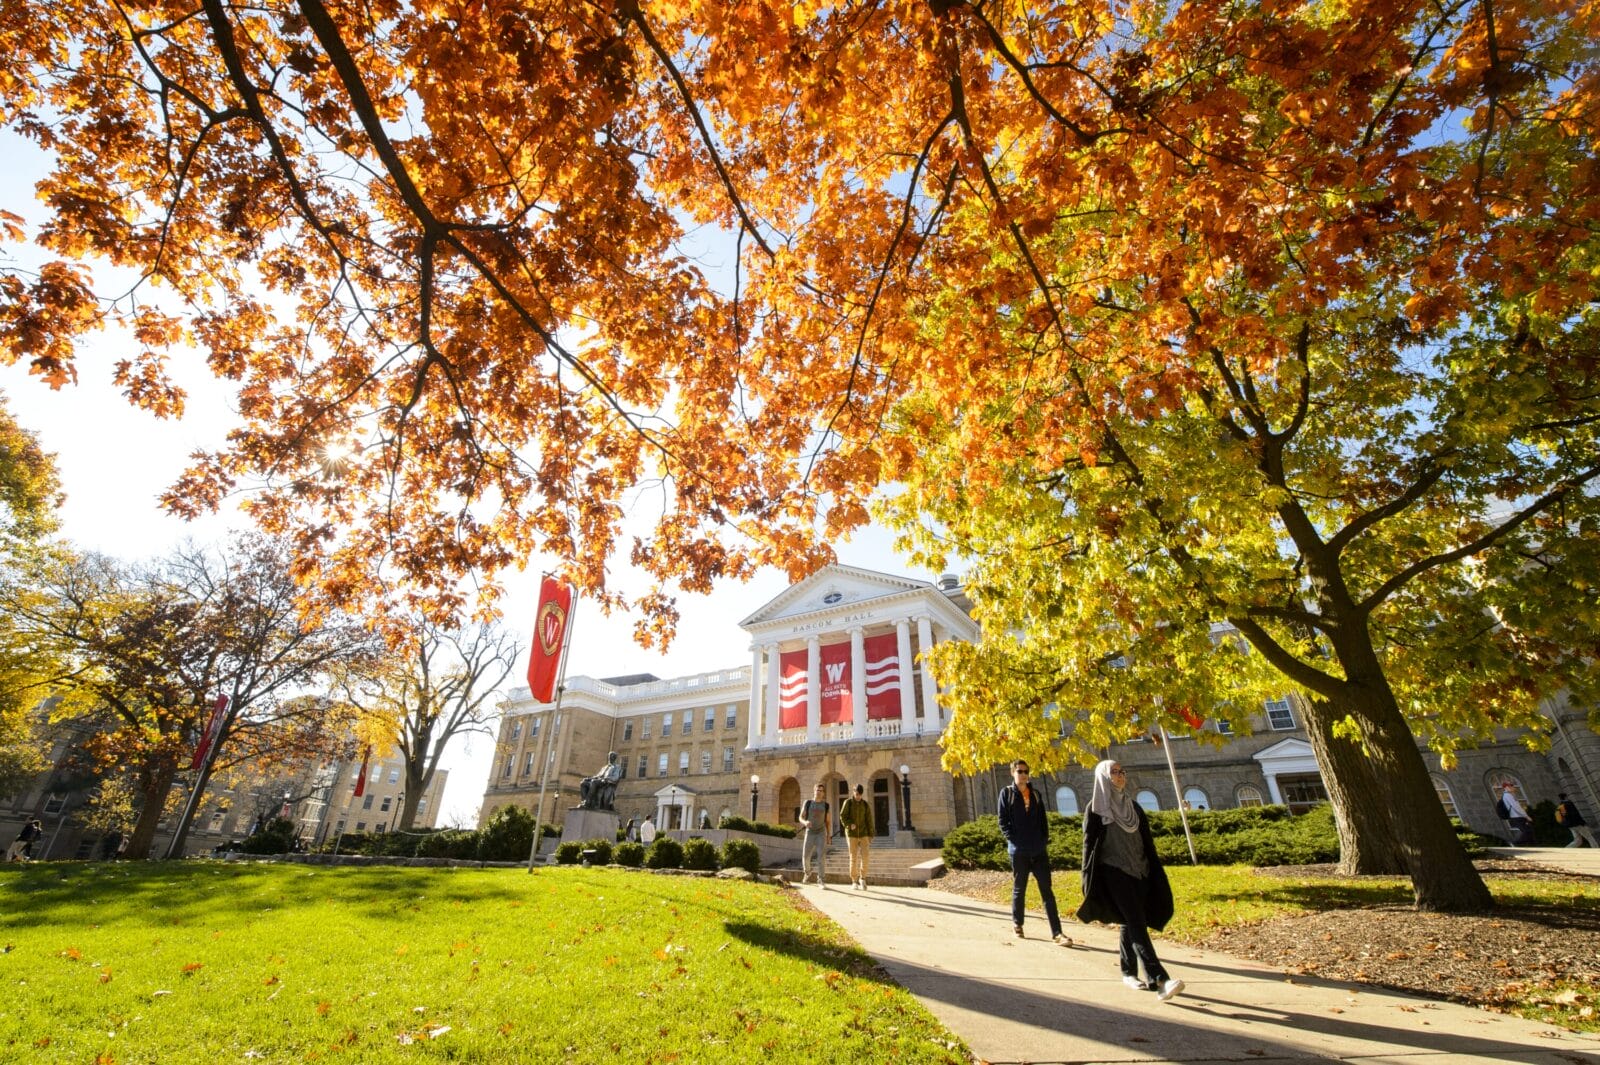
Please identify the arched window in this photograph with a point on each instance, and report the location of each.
(1247, 795)
(1445, 798)
(1066, 800)
(1498, 777)
(1148, 800)
(1197, 799)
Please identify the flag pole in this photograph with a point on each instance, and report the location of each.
(220, 719)
(1177, 789)
(549, 733)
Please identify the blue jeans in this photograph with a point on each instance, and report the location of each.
(1039, 866)
(815, 843)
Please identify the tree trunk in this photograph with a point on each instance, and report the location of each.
(1367, 841)
(1442, 876)
(156, 781)
(416, 784)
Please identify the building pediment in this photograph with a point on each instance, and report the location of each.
(833, 588)
(1285, 751)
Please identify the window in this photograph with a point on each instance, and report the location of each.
(1446, 800)
(54, 803)
(732, 718)
(688, 722)
(1148, 800)
(1302, 791)
(339, 826)
(394, 776)
(727, 759)
(711, 719)
(422, 805)
(661, 764)
(1197, 799)
(705, 760)
(1066, 801)
(644, 732)
(644, 766)
(216, 819)
(555, 726)
(527, 763)
(366, 804)
(533, 728)
(381, 826)
(683, 763)
(627, 730)
(516, 729)
(361, 826)
(666, 725)
(1279, 715)
(377, 773)
(505, 772)
(384, 807)
(1223, 728)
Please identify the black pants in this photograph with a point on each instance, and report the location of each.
(1039, 866)
(1127, 893)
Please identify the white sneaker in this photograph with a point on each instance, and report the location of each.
(1134, 982)
(1063, 940)
(1169, 989)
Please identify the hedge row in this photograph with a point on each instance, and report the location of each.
(666, 853)
(1258, 835)
(505, 837)
(760, 828)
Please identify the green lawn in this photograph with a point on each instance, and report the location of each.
(205, 962)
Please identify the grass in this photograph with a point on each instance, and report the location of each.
(200, 962)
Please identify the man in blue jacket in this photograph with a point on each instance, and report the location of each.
(1023, 824)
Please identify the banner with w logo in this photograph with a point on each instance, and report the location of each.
(835, 662)
(549, 630)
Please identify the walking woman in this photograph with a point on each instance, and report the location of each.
(1123, 881)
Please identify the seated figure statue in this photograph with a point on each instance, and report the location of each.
(599, 792)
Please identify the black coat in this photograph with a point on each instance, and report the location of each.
(1024, 826)
(1097, 902)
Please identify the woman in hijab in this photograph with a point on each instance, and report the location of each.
(1123, 881)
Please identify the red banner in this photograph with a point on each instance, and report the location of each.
(792, 689)
(835, 661)
(549, 628)
(883, 676)
(361, 777)
(209, 736)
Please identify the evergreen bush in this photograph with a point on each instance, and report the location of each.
(275, 837)
(760, 828)
(601, 848)
(569, 852)
(699, 854)
(741, 854)
(664, 853)
(630, 854)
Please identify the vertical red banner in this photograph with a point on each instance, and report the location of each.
(209, 736)
(361, 777)
(883, 676)
(549, 627)
(835, 662)
(792, 689)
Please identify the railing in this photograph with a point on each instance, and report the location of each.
(843, 732)
(695, 682)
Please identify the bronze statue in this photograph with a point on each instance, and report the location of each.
(599, 792)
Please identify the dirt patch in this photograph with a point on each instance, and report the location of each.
(1513, 958)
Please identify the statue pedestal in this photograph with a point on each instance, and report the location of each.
(582, 824)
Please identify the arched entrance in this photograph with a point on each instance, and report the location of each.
(788, 812)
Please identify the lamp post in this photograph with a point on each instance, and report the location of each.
(755, 784)
(672, 815)
(905, 798)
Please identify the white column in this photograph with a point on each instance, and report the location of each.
(858, 684)
(813, 689)
(752, 733)
(930, 691)
(908, 701)
(774, 696)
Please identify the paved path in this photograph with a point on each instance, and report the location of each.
(1585, 860)
(1031, 1001)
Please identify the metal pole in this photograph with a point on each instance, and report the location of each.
(181, 828)
(1177, 789)
(549, 733)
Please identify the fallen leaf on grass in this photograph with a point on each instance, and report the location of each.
(71, 954)
(323, 1008)
(193, 967)
(269, 981)
(42, 1042)
(105, 975)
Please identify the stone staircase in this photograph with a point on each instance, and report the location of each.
(887, 866)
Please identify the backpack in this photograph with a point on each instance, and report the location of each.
(1561, 814)
(1500, 809)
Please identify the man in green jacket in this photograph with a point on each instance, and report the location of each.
(855, 817)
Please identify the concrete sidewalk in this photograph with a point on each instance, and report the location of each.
(1582, 860)
(1032, 1001)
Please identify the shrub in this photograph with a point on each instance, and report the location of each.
(741, 854)
(601, 848)
(275, 837)
(507, 837)
(760, 828)
(451, 843)
(699, 854)
(630, 854)
(569, 852)
(664, 853)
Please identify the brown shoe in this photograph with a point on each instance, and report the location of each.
(1018, 930)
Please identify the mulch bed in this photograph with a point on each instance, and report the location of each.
(1497, 960)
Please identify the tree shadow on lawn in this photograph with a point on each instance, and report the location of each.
(168, 892)
(812, 949)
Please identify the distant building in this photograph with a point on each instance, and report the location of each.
(835, 692)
